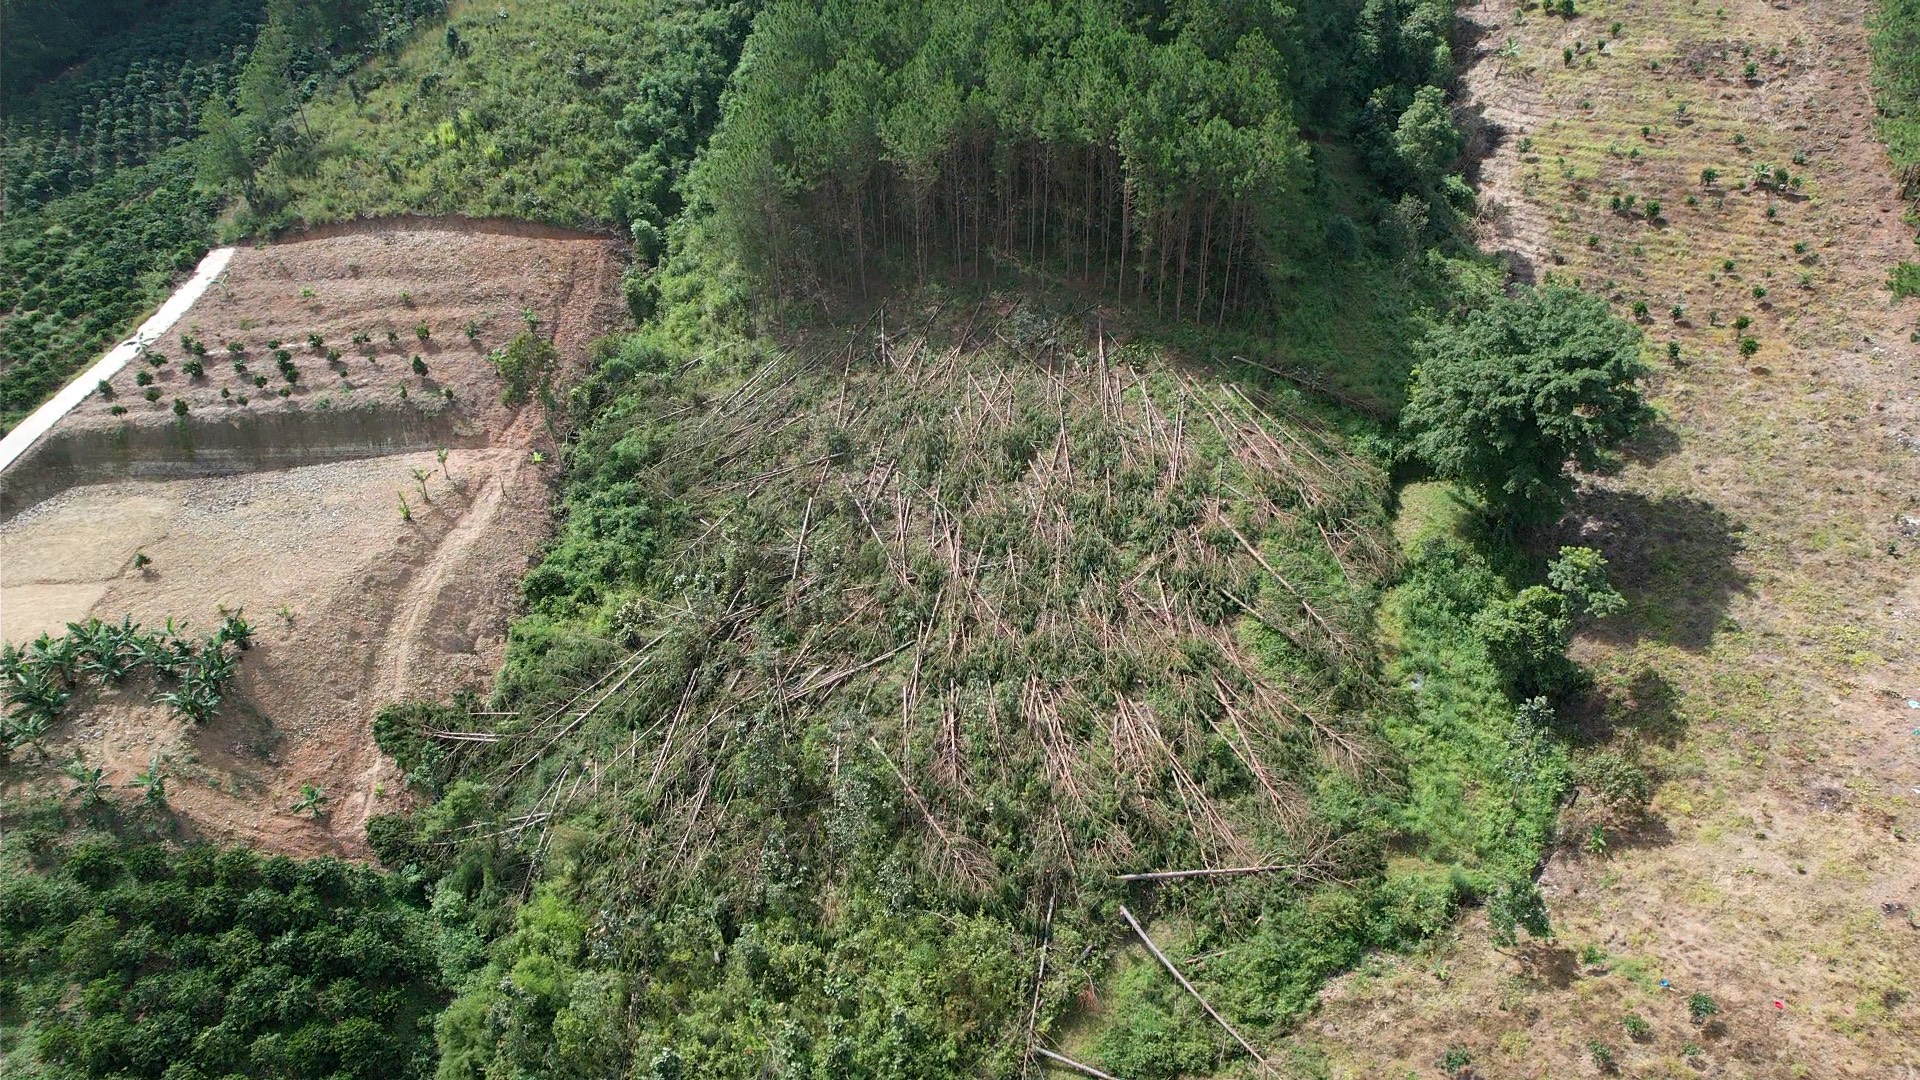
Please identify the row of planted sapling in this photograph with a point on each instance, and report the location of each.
(188, 674)
(282, 353)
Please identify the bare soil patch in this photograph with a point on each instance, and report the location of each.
(471, 288)
(355, 603)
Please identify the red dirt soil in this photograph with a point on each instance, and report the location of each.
(353, 607)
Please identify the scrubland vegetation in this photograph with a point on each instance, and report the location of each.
(1069, 458)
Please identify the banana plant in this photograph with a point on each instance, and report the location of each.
(152, 782)
(312, 801)
(102, 648)
(89, 782)
(31, 693)
(30, 729)
(195, 699)
(214, 666)
(235, 629)
(54, 656)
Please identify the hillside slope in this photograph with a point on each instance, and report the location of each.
(1767, 657)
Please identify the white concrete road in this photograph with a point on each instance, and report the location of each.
(16, 441)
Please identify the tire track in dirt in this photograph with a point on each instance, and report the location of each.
(411, 625)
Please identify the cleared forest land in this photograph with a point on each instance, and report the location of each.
(371, 564)
(1765, 544)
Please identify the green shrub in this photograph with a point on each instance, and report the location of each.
(1905, 280)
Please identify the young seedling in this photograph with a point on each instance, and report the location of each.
(104, 389)
(312, 801)
(89, 782)
(440, 456)
(153, 393)
(419, 365)
(179, 407)
(406, 512)
(152, 782)
(420, 477)
(421, 331)
(1701, 1008)
(143, 378)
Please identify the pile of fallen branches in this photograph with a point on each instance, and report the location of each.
(941, 567)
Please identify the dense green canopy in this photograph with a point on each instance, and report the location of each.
(1154, 149)
(1504, 401)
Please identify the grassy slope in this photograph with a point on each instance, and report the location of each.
(520, 109)
(1765, 656)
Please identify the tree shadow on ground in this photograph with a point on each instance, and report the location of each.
(1656, 440)
(1647, 707)
(1672, 557)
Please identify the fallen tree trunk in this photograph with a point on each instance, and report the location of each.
(1188, 987)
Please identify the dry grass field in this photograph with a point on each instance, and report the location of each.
(1766, 538)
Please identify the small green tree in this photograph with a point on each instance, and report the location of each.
(1514, 904)
(1526, 637)
(1581, 573)
(1425, 139)
(1504, 401)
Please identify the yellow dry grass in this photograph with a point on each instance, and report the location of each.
(1767, 657)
